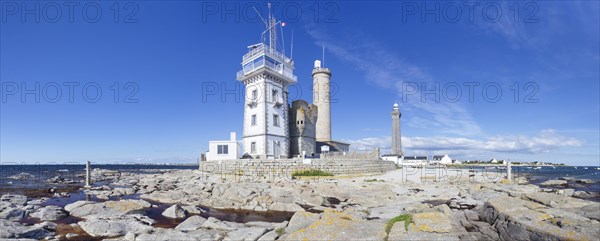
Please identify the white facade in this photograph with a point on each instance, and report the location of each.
(266, 74)
(224, 150)
(393, 158)
(445, 160)
(414, 160)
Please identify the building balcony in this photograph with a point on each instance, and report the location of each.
(255, 66)
(262, 56)
(262, 49)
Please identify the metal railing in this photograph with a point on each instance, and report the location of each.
(279, 69)
(265, 49)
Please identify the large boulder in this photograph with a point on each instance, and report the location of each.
(557, 201)
(84, 209)
(269, 236)
(13, 230)
(18, 200)
(49, 213)
(400, 232)
(113, 227)
(586, 181)
(10, 211)
(335, 225)
(267, 225)
(433, 222)
(170, 196)
(553, 183)
(301, 220)
(174, 211)
(245, 234)
(213, 223)
(237, 193)
(121, 191)
(192, 223)
(519, 219)
(584, 194)
(177, 235)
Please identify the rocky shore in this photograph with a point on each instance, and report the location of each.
(191, 205)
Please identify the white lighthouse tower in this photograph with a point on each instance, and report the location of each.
(266, 73)
(322, 99)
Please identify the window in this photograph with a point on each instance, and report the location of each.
(276, 120)
(276, 149)
(254, 94)
(253, 148)
(253, 120)
(274, 95)
(222, 149)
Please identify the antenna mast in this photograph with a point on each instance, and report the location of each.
(282, 39)
(292, 47)
(323, 55)
(272, 30)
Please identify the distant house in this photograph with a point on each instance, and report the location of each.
(456, 162)
(414, 160)
(393, 158)
(494, 161)
(224, 150)
(444, 160)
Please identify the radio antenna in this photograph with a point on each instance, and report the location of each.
(323, 55)
(292, 47)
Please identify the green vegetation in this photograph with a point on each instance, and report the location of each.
(311, 173)
(374, 180)
(280, 231)
(407, 218)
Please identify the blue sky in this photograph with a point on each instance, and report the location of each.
(163, 55)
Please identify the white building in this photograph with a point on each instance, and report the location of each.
(393, 158)
(266, 73)
(414, 160)
(224, 150)
(444, 160)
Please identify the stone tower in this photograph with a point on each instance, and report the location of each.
(396, 137)
(303, 118)
(266, 73)
(322, 99)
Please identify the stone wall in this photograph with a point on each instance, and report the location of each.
(355, 156)
(285, 167)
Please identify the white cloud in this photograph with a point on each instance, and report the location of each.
(512, 31)
(545, 141)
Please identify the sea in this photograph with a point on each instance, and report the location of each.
(28, 179)
(20, 178)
